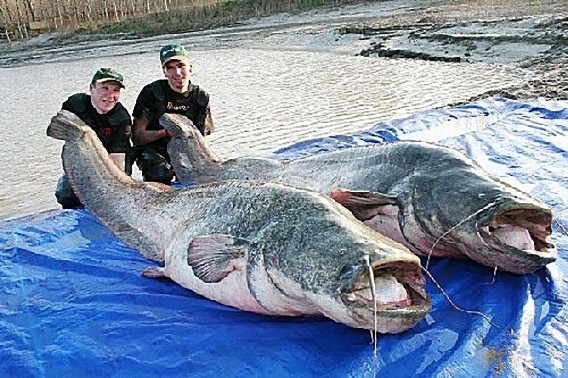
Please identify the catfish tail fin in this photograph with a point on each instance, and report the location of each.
(66, 126)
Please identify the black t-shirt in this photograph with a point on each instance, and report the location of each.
(158, 98)
(112, 128)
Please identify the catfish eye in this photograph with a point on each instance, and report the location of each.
(347, 271)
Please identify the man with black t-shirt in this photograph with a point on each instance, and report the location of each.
(175, 94)
(102, 111)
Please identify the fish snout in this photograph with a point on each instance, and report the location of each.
(517, 238)
(388, 298)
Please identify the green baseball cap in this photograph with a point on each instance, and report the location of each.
(169, 52)
(107, 74)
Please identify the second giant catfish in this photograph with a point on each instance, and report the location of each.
(433, 199)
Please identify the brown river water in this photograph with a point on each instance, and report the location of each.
(269, 87)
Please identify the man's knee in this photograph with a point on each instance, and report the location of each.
(65, 195)
(158, 173)
(155, 167)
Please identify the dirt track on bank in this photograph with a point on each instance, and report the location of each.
(527, 34)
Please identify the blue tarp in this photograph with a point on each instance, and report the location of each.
(73, 302)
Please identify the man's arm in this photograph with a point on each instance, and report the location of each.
(204, 121)
(140, 134)
(209, 124)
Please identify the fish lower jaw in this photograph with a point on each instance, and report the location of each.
(393, 308)
(362, 298)
(413, 301)
(518, 238)
(383, 320)
(513, 249)
(511, 260)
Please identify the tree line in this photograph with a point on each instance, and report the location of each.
(21, 19)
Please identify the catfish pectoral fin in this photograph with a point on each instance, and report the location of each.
(154, 272)
(213, 257)
(363, 204)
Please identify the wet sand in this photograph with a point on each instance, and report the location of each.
(529, 35)
(532, 35)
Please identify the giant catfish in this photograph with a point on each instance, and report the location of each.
(263, 247)
(433, 199)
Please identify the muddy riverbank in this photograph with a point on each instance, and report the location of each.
(531, 35)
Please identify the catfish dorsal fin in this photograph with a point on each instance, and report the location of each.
(213, 257)
(364, 204)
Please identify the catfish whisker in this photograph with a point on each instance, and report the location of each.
(456, 307)
(494, 276)
(489, 205)
(561, 227)
(374, 332)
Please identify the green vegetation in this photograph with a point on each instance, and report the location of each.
(139, 17)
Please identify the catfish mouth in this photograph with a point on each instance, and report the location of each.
(399, 292)
(521, 233)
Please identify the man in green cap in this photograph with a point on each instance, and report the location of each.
(102, 111)
(175, 94)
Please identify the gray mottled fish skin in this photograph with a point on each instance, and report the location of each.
(433, 199)
(263, 247)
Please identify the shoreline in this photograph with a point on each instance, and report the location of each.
(531, 36)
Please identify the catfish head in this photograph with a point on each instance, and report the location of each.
(462, 212)
(345, 271)
(278, 250)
